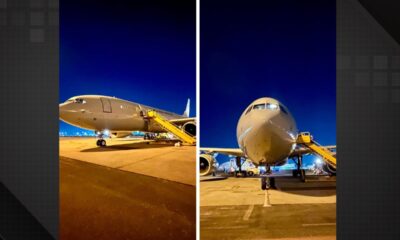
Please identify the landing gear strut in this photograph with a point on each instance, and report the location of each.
(267, 182)
(239, 165)
(300, 171)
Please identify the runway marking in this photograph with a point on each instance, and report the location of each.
(267, 202)
(317, 224)
(226, 208)
(247, 214)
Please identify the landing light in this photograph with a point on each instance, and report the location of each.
(106, 132)
(318, 161)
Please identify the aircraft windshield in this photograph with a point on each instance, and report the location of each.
(272, 106)
(283, 109)
(259, 106)
(79, 100)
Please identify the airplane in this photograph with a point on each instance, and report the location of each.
(118, 118)
(267, 135)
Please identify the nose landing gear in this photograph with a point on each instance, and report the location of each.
(266, 181)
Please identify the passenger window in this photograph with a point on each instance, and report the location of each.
(259, 106)
(283, 109)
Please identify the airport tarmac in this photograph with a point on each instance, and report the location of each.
(126, 190)
(98, 202)
(236, 208)
(159, 160)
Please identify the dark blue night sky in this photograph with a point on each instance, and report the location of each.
(142, 51)
(281, 49)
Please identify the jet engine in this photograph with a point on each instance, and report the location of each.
(207, 163)
(190, 127)
(329, 169)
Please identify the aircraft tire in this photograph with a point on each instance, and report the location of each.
(272, 182)
(295, 173)
(250, 173)
(98, 143)
(263, 183)
(103, 143)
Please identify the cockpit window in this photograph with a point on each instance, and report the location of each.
(79, 100)
(272, 106)
(283, 109)
(259, 106)
(248, 110)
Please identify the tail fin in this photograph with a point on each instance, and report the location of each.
(187, 109)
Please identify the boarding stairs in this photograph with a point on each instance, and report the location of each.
(172, 128)
(306, 140)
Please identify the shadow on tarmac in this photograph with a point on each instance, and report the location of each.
(314, 186)
(128, 146)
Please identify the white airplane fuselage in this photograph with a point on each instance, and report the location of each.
(266, 132)
(99, 113)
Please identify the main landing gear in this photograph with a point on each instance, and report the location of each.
(266, 181)
(149, 136)
(299, 172)
(239, 165)
(101, 143)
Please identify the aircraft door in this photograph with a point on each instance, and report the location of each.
(140, 111)
(106, 105)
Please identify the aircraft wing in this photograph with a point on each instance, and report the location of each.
(180, 121)
(227, 151)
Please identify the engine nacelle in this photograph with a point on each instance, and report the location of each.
(190, 127)
(281, 163)
(329, 169)
(207, 164)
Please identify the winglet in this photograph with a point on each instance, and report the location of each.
(187, 109)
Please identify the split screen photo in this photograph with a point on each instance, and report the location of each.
(185, 119)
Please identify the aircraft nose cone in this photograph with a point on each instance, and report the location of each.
(62, 110)
(65, 111)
